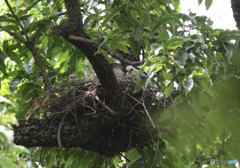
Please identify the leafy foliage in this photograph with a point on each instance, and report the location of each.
(180, 51)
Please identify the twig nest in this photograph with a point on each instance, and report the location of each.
(99, 128)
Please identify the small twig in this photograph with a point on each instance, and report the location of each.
(105, 106)
(10, 8)
(123, 7)
(64, 13)
(41, 156)
(59, 131)
(94, 111)
(148, 114)
(14, 35)
(125, 158)
(36, 34)
(81, 39)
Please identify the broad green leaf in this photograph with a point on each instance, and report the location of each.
(109, 17)
(130, 21)
(133, 155)
(174, 43)
(123, 46)
(57, 40)
(168, 90)
(199, 2)
(137, 33)
(229, 51)
(9, 27)
(5, 163)
(204, 83)
(208, 3)
(89, 18)
(182, 56)
(166, 75)
(25, 17)
(3, 17)
(135, 47)
(166, 19)
(138, 88)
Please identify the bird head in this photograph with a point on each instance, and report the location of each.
(73, 77)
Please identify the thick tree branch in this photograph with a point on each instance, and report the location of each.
(97, 44)
(236, 11)
(99, 63)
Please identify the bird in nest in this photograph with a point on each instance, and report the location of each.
(135, 73)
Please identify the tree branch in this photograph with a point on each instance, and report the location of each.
(14, 35)
(97, 44)
(100, 64)
(40, 65)
(15, 16)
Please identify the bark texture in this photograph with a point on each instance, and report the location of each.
(236, 11)
(99, 63)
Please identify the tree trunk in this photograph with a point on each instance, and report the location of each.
(236, 11)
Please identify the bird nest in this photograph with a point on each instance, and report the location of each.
(99, 128)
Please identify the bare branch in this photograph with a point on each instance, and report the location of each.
(105, 106)
(123, 7)
(81, 39)
(10, 8)
(36, 34)
(40, 65)
(14, 35)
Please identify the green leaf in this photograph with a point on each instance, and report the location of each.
(130, 21)
(208, 54)
(89, 18)
(25, 17)
(2, 64)
(133, 155)
(57, 40)
(168, 90)
(3, 17)
(9, 27)
(208, 3)
(15, 82)
(5, 163)
(204, 83)
(135, 47)
(182, 56)
(229, 51)
(166, 19)
(199, 2)
(114, 12)
(138, 88)
(167, 76)
(137, 33)
(174, 41)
